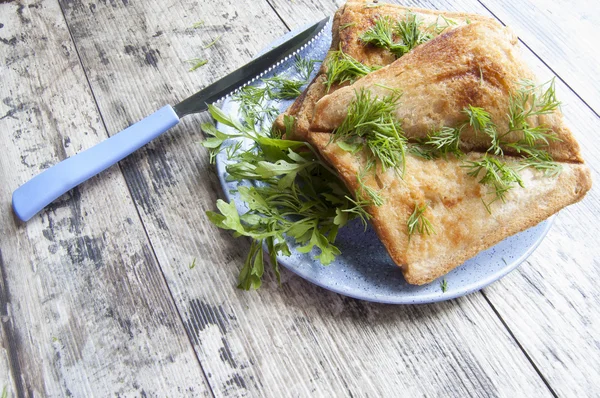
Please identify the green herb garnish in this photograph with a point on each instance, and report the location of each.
(373, 120)
(297, 196)
(212, 43)
(439, 27)
(197, 63)
(381, 35)
(365, 192)
(444, 285)
(410, 32)
(496, 174)
(252, 99)
(342, 68)
(444, 141)
(418, 223)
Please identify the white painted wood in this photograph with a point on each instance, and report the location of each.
(94, 315)
(85, 310)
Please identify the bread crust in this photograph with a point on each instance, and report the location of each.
(462, 224)
(350, 21)
(476, 64)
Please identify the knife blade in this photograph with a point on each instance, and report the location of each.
(43, 189)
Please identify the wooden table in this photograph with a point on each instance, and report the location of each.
(97, 294)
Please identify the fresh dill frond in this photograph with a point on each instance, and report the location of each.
(528, 102)
(444, 285)
(304, 67)
(364, 191)
(549, 167)
(197, 63)
(496, 174)
(439, 27)
(410, 33)
(421, 150)
(342, 68)
(197, 25)
(479, 118)
(282, 88)
(253, 99)
(481, 122)
(444, 141)
(347, 25)
(418, 223)
(358, 210)
(380, 34)
(372, 119)
(193, 264)
(212, 43)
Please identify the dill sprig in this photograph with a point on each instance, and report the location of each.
(444, 141)
(253, 99)
(496, 174)
(481, 122)
(364, 191)
(439, 27)
(418, 223)
(530, 101)
(410, 32)
(527, 102)
(197, 63)
(342, 68)
(444, 285)
(373, 120)
(382, 35)
(212, 43)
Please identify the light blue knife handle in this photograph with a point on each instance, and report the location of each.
(44, 188)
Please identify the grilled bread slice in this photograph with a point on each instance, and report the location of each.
(349, 23)
(462, 226)
(476, 64)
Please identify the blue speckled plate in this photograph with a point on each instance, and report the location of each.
(364, 270)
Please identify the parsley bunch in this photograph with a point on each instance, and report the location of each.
(293, 194)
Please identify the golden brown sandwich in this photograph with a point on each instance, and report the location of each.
(480, 152)
(350, 23)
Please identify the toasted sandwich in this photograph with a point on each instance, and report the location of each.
(505, 174)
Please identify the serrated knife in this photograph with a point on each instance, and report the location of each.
(43, 189)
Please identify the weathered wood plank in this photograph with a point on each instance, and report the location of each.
(550, 303)
(563, 33)
(292, 340)
(558, 323)
(85, 309)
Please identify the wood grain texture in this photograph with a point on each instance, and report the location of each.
(562, 33)
(557, 322)
(550, 303)
(83, 302)
(296, 339)
(85, 310)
